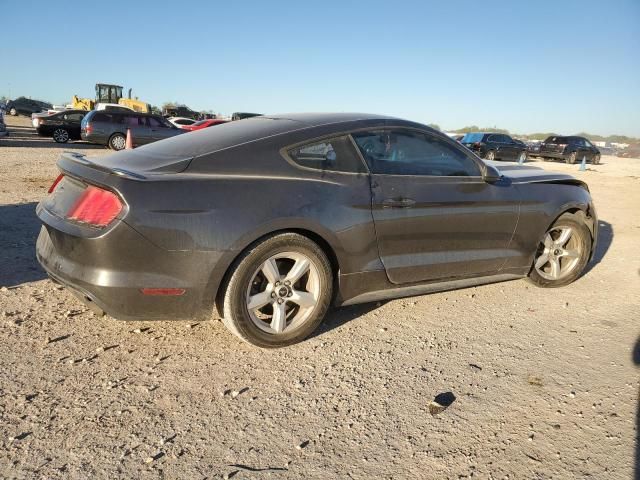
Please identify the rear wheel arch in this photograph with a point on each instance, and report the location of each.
(219, 290)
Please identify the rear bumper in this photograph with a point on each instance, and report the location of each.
(551, 155)
(108, 273)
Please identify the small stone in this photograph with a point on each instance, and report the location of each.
(148, 460)
(4, 289)
(137, 330)
(302, 445)
(382, 330)
(572, 394)
(99, 349)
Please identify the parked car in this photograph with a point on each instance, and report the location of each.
(242, 115)
(63, 126)
(180, 111)
(181, 121)
(204, 124)
(495, 146)
(274, 219)
(110, 128)
(632, 151)
(569, 149)
(533, 149)
(26, 106)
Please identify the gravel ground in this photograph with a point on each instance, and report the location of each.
(543, 383)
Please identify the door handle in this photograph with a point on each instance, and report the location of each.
(398, 203)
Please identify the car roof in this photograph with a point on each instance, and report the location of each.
(256, 129)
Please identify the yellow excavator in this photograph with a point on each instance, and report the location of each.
(107, 93)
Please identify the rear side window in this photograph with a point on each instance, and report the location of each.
(335, 154)
(472, 138)
(102, 117)
(132, 120)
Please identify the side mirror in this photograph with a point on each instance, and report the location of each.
(491, 174)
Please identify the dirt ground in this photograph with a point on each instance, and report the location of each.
(545, 381)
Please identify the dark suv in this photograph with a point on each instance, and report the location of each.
(26, 106)
(110, 128)
(495, 146)
(569, 149)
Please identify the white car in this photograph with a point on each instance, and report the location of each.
(181, 121)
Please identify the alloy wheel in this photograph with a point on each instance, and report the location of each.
(283, 292)
(491, 155)
(558, 253)
(523, 157)
(60, 135)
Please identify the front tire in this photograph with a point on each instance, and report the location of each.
(562, 253)
(596, 159)
(117, 142)
(279, 291)
(60, 135)
(13, 112)
(490, 155)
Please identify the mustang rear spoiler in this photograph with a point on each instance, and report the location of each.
(67, 160)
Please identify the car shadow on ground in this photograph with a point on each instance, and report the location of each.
(339, 316)
(25, 136)
(19, 227)
(605, 238)
(559, 160)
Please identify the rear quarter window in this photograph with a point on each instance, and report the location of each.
(336, 154)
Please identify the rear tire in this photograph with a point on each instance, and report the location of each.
(60, 135)
(117, 142)
(570, 254)
(266, 303)
(571, 159)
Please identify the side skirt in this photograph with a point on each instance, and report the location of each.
(374, 286)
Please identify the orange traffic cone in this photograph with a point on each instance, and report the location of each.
(129, 143)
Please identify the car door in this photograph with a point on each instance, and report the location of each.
(159, 130)
(497, 144)
(73, 121)
(137, 126)
(511, 147)
(435, 215)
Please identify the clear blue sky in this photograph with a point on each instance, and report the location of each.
(563, 66)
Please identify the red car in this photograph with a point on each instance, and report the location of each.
(203, 124)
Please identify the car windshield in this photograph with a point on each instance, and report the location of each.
(472, 137)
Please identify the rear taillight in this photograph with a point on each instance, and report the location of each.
(55, 183)
(88, 128)
(95, 207)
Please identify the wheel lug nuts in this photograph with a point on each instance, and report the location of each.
(277, 284)
(280, 300)
(273, 294)
(287, 282)
(289, 294)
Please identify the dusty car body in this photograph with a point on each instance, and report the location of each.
(188, 209)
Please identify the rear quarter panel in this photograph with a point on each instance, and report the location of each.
(226, 211)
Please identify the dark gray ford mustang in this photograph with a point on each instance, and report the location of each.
(272, 219)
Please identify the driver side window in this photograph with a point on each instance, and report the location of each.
(409, 152)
